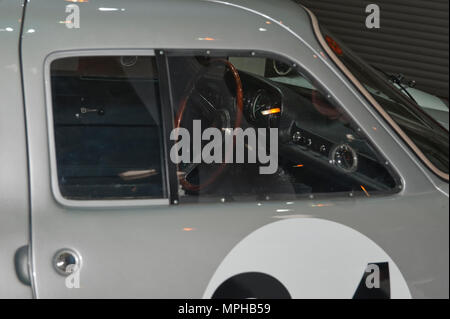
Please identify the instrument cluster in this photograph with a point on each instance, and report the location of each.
(342, 156)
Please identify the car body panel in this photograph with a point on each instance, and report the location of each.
(174, 251)
(14, 208)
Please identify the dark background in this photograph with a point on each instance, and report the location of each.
(413, 38)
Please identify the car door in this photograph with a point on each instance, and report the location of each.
(13, 183)
(106, 197)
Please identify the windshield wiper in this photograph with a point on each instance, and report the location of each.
(398, 79)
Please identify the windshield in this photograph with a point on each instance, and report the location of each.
(429, 136)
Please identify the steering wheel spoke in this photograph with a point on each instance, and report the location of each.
(206, 107)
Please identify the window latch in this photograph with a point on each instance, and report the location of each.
(99, 111)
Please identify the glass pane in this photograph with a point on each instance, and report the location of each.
(108, 130)
(428, 135)
(317, 148)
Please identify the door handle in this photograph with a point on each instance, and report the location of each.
(21, 263)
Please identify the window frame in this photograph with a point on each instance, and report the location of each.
(105, 203)
(167, 115)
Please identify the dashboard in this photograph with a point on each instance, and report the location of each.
(310, 133)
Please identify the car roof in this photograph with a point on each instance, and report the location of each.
(168, 24)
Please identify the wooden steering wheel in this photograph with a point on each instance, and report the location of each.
(207, 108)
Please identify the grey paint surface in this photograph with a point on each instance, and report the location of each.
(14, 209)
(413, 38)
(144, 252)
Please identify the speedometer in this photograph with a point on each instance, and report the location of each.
(344, 157)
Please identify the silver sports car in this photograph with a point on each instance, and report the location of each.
(210, 149)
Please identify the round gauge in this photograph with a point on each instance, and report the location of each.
(345, 157)
(282, 69)
(265, 110)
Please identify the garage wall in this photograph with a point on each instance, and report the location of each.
(413, 38)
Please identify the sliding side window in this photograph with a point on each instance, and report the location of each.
(107, 128)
